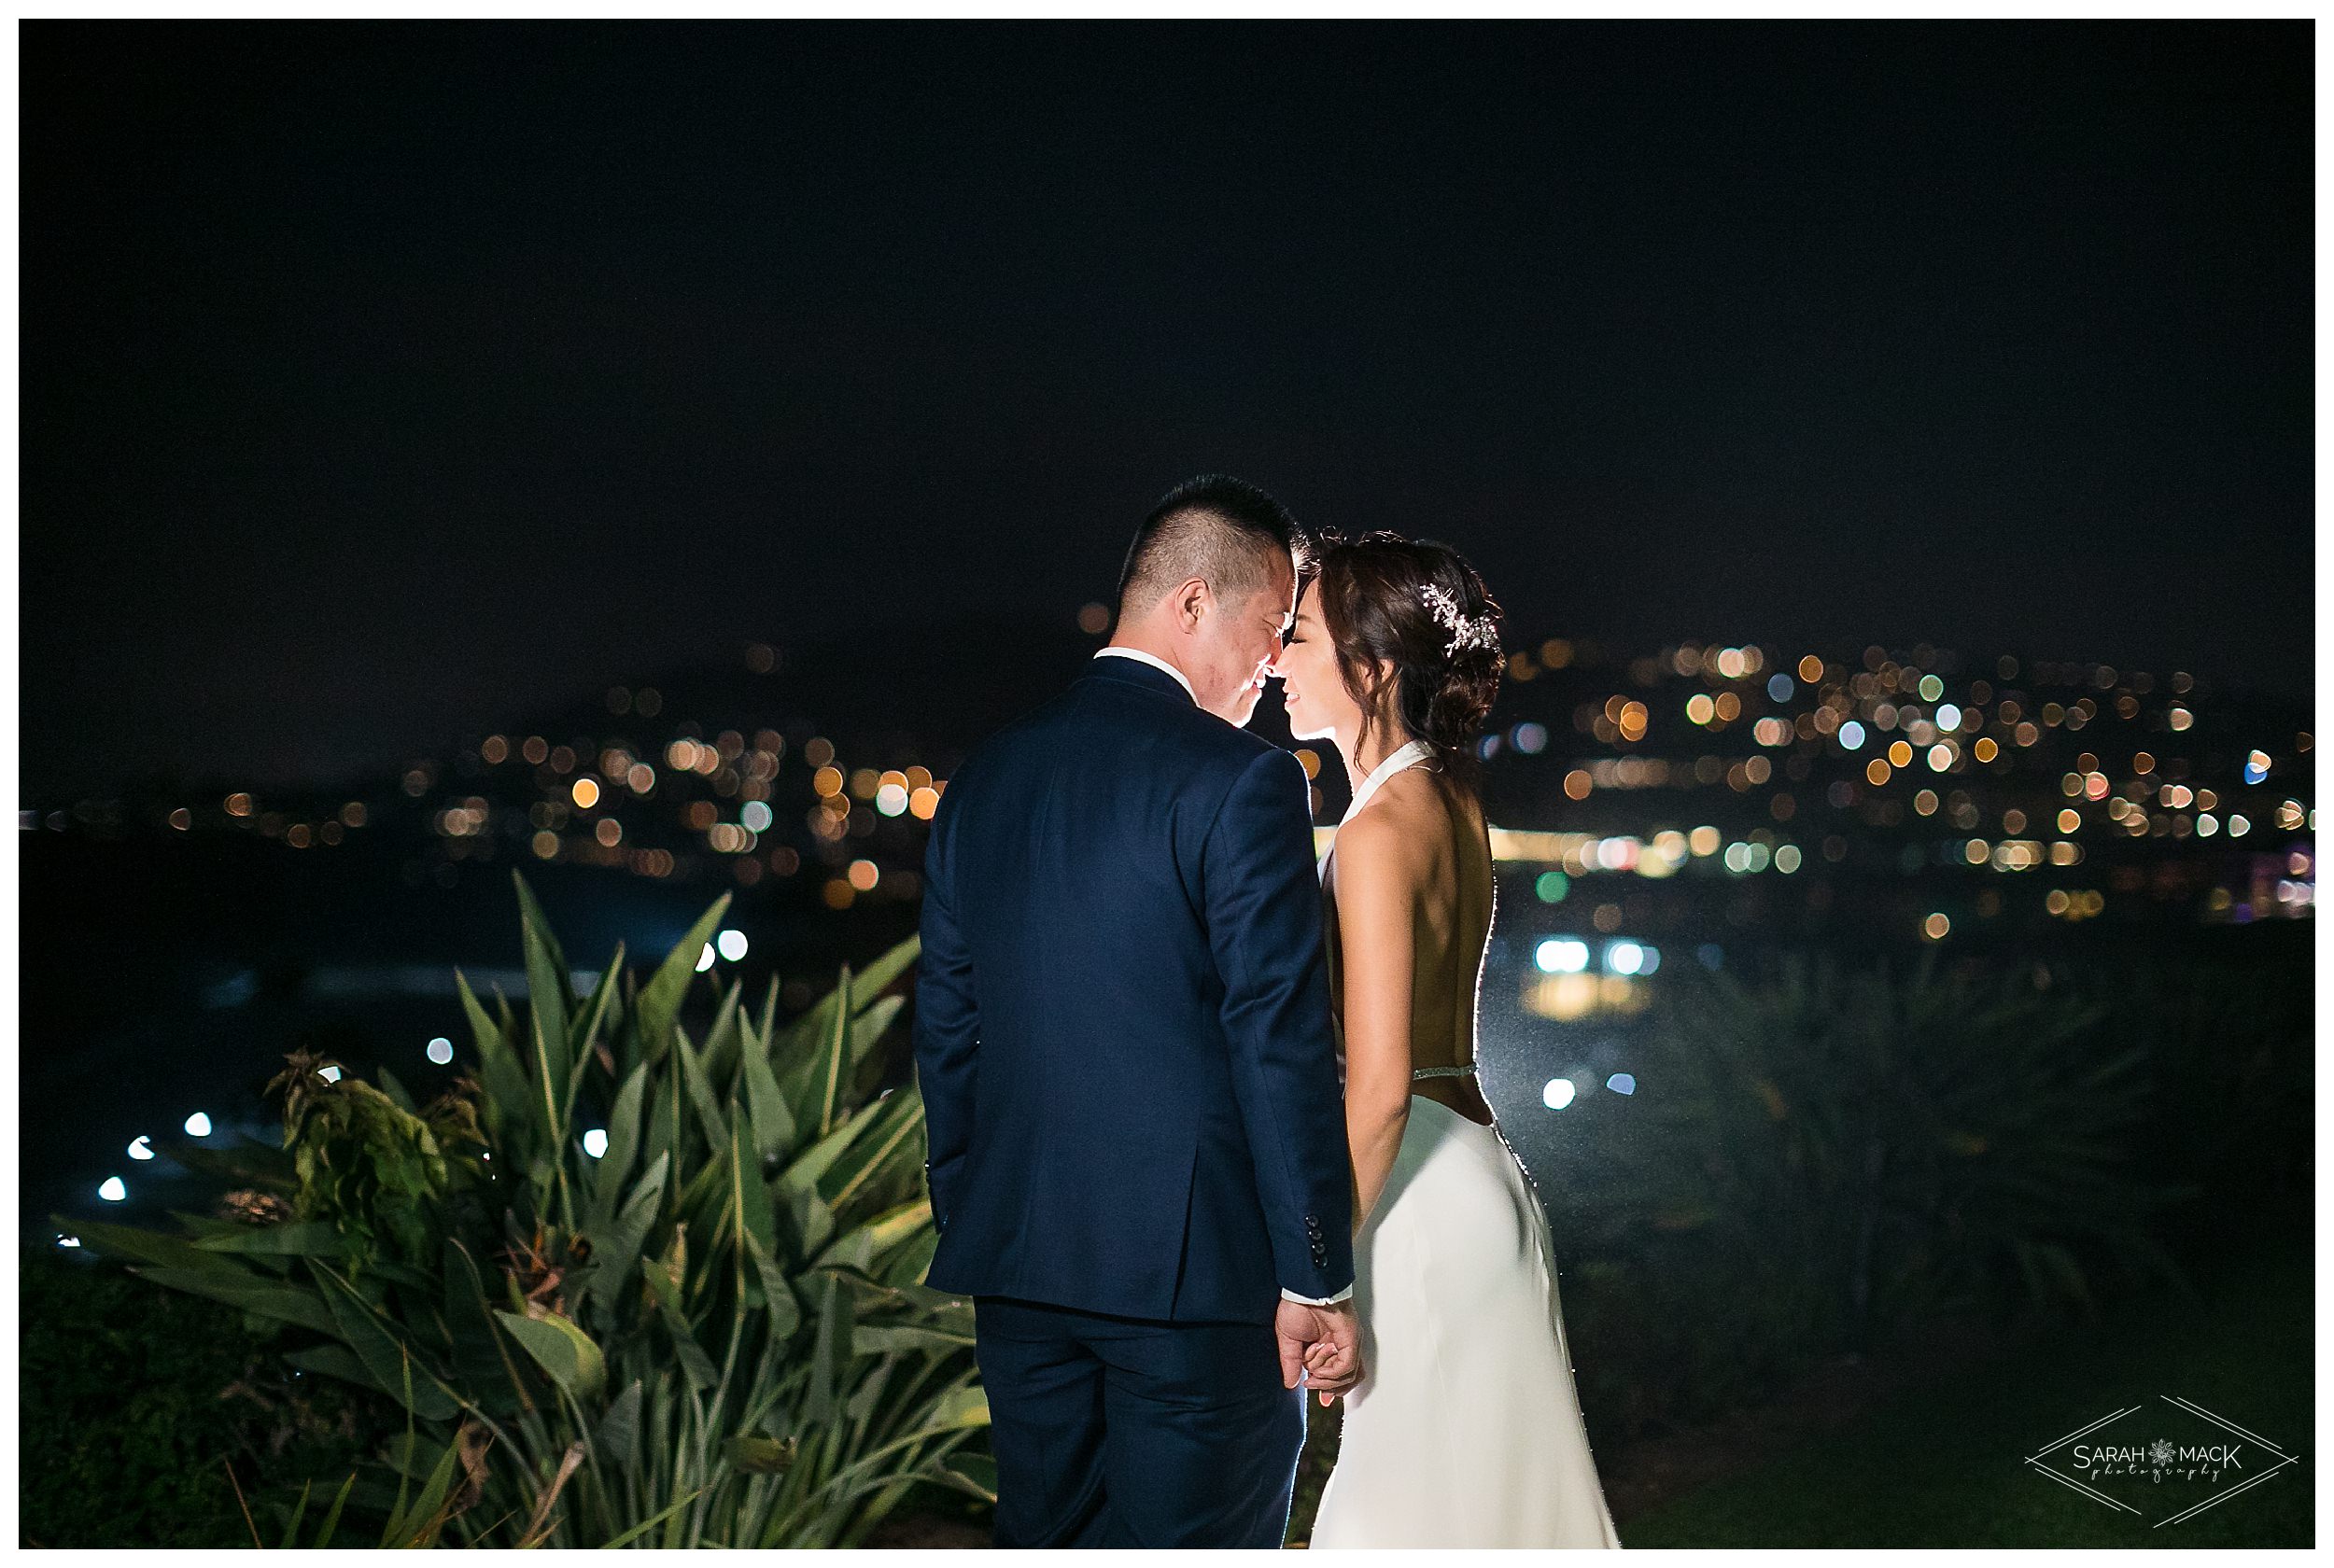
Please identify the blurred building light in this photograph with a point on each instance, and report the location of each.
(1561, 955)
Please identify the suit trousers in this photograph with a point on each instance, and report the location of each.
(1132, 1432)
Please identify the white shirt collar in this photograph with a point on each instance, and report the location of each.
(1156, 662)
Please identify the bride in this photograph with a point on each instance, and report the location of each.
(1466, 1430)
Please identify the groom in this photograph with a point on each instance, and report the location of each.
(1138, 1161)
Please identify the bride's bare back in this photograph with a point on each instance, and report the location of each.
(1446, 852)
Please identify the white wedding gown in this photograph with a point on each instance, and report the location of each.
(1465, 1428)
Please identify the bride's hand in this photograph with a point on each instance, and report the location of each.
(1321, 1345)
(1319, 1360)
(1333, 1361)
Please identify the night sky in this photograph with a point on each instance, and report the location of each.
(387, 383)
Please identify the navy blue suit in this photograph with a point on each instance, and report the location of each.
(1137, 1139)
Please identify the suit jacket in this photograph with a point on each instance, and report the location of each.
(1122, 1018)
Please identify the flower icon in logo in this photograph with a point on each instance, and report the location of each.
(2159, 1452)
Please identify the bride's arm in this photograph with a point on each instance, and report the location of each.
(1375, 900)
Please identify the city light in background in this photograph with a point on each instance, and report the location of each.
(1633, 808)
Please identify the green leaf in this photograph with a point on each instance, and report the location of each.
(890, 1147)
(749, 1201)
(830, 1357)
(810, 1167)
(332, 1519)
(334, 1360)
(661, 1133)
(966, 1406)
(628, 1051)
(897, 1227)
(873, 1019)
(822, 1053)
(624, 1142)
(722, 1046)
(619, 1435)
(298, 1238)
(761, 1456)
(244, 1163)
(696, 1366)
(748, 1195)
(420, 1524)
(560, 1349)
(121, 1242)
(972, 1472)
(292, 1530)
(710, 1118)
(784, 1310)
(660, 999)
(828, 1068)
(812, 1221)
(549, 1002)
(884, 1338)
(508, 1105)
(619, 1250)
(584, 1034)
(765, 1036)
(773, 1125)
(238, 1287)
(668, 1511)
(390, 1361)
(889, 967)
(395, 1090)
(477, 1352)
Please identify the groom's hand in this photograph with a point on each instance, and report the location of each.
(1322, 1344)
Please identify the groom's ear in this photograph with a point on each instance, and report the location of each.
(1192, 600)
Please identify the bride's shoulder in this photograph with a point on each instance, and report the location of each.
(1395, 839)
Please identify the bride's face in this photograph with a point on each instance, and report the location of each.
(1320, 706)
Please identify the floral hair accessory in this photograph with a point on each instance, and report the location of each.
(1467, 631)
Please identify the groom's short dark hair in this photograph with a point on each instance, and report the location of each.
(1216, 527)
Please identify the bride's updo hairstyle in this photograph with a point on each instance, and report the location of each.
(1417, 605)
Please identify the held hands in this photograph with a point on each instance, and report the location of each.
(1321, 1345)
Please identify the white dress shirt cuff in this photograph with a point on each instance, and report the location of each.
(1317, 1300)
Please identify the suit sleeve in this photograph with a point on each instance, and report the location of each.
(1264, 926)
(947, 1022)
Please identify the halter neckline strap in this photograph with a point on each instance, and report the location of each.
(1408, 754)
